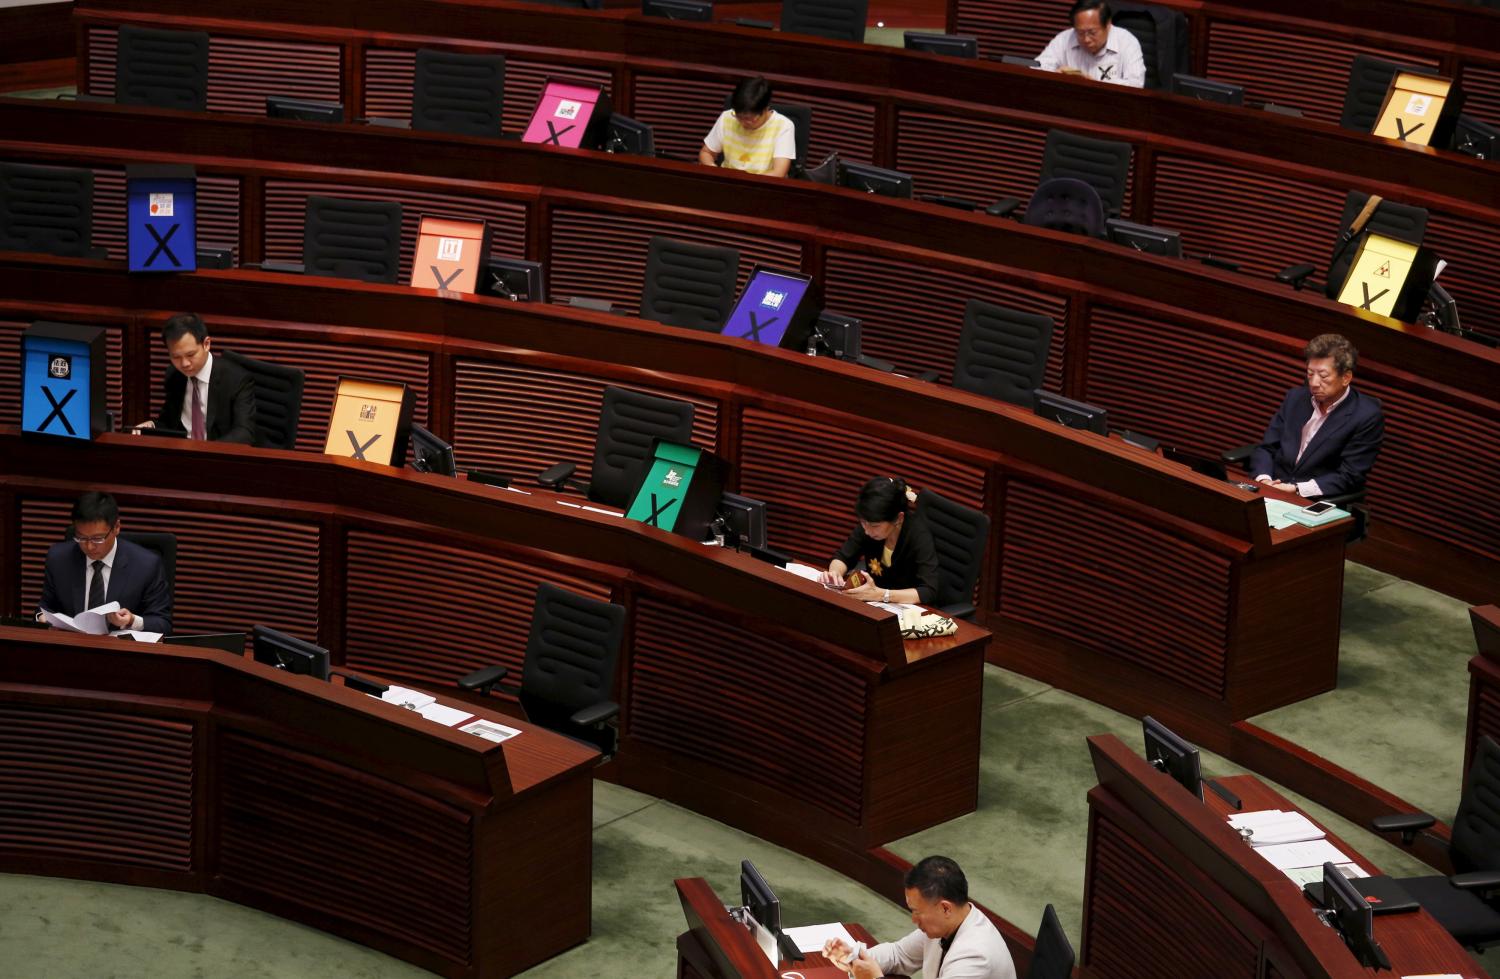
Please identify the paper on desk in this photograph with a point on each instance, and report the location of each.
(1302, 876)
(898, 607)
(804, 571)
(812, 938)
(140, 635)
(607, 513)
(1313, 853)
(91, 622)
(1271, 826)
(410, 699)
(490, 731)
(446, 716)
(1279, 513)
(1436, 975)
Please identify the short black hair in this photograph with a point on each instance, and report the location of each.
(182, 324)
(938, 879)
(882, 499)
(93, 506)
(751, 95)
(1084, 6)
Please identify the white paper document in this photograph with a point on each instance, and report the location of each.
(607, 513)
(1302, 876)
(804, 571)
(812, 938)
(92, 622)
(1313, 853)
(446, 716)
(490, 731)
(898, 607)
(140, 636)
(410, 699)
(1271, 826)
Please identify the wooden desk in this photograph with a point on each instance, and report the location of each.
(715, 946)
(167, 766)
(1171, 889)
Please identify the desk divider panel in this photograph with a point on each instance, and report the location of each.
(10, 364)
(680, 111)
(998, 159)
(1482, 88)
(1020, 27)
(520, 419)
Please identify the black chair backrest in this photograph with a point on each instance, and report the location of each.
(46, 209)
(278, 400)
(1476, 826)
(1369, 78)
(352, 239)
(1401, 221)
(689, 285)
(1103, 164)
(458, 93)
(959, 533)
(1002, 352)
(165, 545)
(1163, 35)
(570, 654)
(166, 69)
(841, 20)
(801, 117)
(1066, 204)
(628, 423)
(1053, 956)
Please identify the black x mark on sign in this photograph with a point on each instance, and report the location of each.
(57, 410)
(359, 450)
(1369, 298)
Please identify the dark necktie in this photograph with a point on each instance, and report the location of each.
(197, 432)
(96, 587)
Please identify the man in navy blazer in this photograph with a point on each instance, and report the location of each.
(96, 567)
(220, 407)
(1326, 435)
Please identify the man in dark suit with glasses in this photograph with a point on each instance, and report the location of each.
(96, 567)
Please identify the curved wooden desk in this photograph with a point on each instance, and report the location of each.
(167, 766)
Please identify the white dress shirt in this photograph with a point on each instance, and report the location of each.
(88, 580)
(187, 397)
(977, 952)
(1119, 62)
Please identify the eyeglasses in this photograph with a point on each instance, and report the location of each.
(95, 541)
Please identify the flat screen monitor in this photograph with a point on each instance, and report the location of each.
(678, 9)
(1170, 754)
(875, 180)
(757, 895)
(308, 110)
(746, 517)
(770, 309)
(1475, 138)
(1072, 414)
(953, 45)
(627, 135)
(1144, 238)
(1353, 916)
(515, 279)
(288, 653)
(1207, 90)
(229, 642)
(840, 335)
(430, 454)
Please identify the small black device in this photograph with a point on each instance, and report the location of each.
(1207, 90)
(1170, 754)
(953, 45)
(769, 556)
(156, 431)
(229, 642)
(361, 684)
(627, 135)
(307, 110)
(839, 335)
(289, 653)
(1475, 138)
(214, 256)
(1019, 61)
(701, 10)
(1249, 487)
(515, 279)
(745, 517)
(430, 454)
(1070, 413)
(1140, 441)
(875, 180)
(1353, 918)
(1144, 238)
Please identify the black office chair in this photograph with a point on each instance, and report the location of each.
(1401, 221)
(568, 675)
(841, 20)
(959, 533)
(1053, 956)
(629, 422)
(278, 400)
(351, 239)
(1066, 204)
(458, 93)
(161, 68)
(688, 284)
(165, 546)
(47, 209)
(1103, 164)
(1002, 352)
(1369, 79)
(801, 117)
(1467, 903)
(1163, 35)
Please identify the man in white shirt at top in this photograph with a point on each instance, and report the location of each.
(953, 940)
(1094, 48)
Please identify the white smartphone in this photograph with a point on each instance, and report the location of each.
(1322, 506)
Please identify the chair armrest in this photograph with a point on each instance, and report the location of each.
(291, 268)
(1408, 824)
(874, 363)
(387, 123)
(482, 680)
(1239, 455)
(1295, 275)
(763, 25)
(958, 610)
(1477, 880)
(554, 477)
(594, 715)
(1004, 207)
(1344, 499)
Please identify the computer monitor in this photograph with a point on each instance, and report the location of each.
(745, 517)
(875, 180)
(288, 653)
(1072, 414)
(757, 896)
(840, 335)
(229, 642)
(1144, 238)
(953, 45)
(678, 9)
(1475, 138)
(308, 110)
(430, 454)
(627, 135)
(1207, 90)
(515, 279)
(1019, 61)
(776, 308)
(1353, 917)
(1170, 754)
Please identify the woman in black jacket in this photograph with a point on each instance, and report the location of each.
(890, 556)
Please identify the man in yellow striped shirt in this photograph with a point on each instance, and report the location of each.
(750, 134)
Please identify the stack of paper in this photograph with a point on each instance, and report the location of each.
(92, 621)
(1313, 853)
(1302, 876)
(1271, 826)
(410, 699)
(804, 571)
(812, 938)
(1293, 844)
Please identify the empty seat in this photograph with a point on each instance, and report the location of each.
(165, 69)
(278, 400)
(959, 534)
(689, 285)
(1002, 352)
(629, 423)
(352, 239)
(458, 93)
(46, 209)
